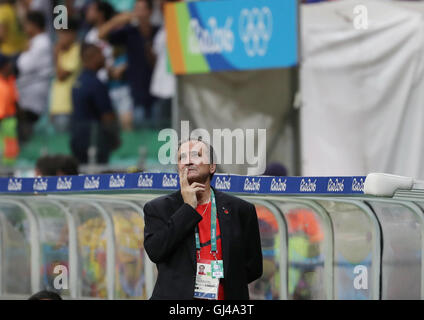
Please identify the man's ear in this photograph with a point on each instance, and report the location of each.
(212, 168)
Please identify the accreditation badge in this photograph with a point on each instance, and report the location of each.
(217, 267)
(206, 287)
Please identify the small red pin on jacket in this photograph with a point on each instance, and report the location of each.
(225, 210)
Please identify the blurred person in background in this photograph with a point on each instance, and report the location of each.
(45, 7)
(46, 166)
(93, 121)
(68, 64)
(12, 39)
(45, 295)
(35, 68)
(119, 89)
(163, 82)
(135, 31)
(9, 146)
(275, 169)
(77, 9)
(68, 165)
(56, 165)
(80, 7)
(97, 14)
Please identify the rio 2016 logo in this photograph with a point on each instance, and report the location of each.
(255, 28)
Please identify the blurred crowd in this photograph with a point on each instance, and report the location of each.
(93, 70)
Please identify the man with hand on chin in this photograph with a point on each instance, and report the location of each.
(201, 229)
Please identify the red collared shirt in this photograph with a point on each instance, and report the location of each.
(204, 227)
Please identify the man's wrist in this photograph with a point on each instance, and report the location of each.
(191, 205)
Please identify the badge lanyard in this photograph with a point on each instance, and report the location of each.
(213, 229)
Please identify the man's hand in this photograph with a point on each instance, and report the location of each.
(123, 18)
(116, 22)
(62, 74)
(117, 73)
(188, 191)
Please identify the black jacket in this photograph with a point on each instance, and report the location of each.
(169, 240)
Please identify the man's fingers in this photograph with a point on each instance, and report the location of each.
(197, 184)
(183, 177)
(197, 189)
(182, 180)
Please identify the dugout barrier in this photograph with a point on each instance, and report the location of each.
(322, 238)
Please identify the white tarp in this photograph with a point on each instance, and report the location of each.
(362, 90)
(241, 101)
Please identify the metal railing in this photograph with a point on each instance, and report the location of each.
(316, 244)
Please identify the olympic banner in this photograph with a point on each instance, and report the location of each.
(170, 182)
(205, 36)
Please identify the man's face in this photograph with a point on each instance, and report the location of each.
(98, 59)
(93, 59)
(142, 11)
(29, 28)
(92, 14)
(66, 38)
(194, 155)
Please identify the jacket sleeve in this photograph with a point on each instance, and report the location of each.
(254, 249)
(161, 237)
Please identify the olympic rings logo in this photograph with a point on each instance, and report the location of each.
(255, 28)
